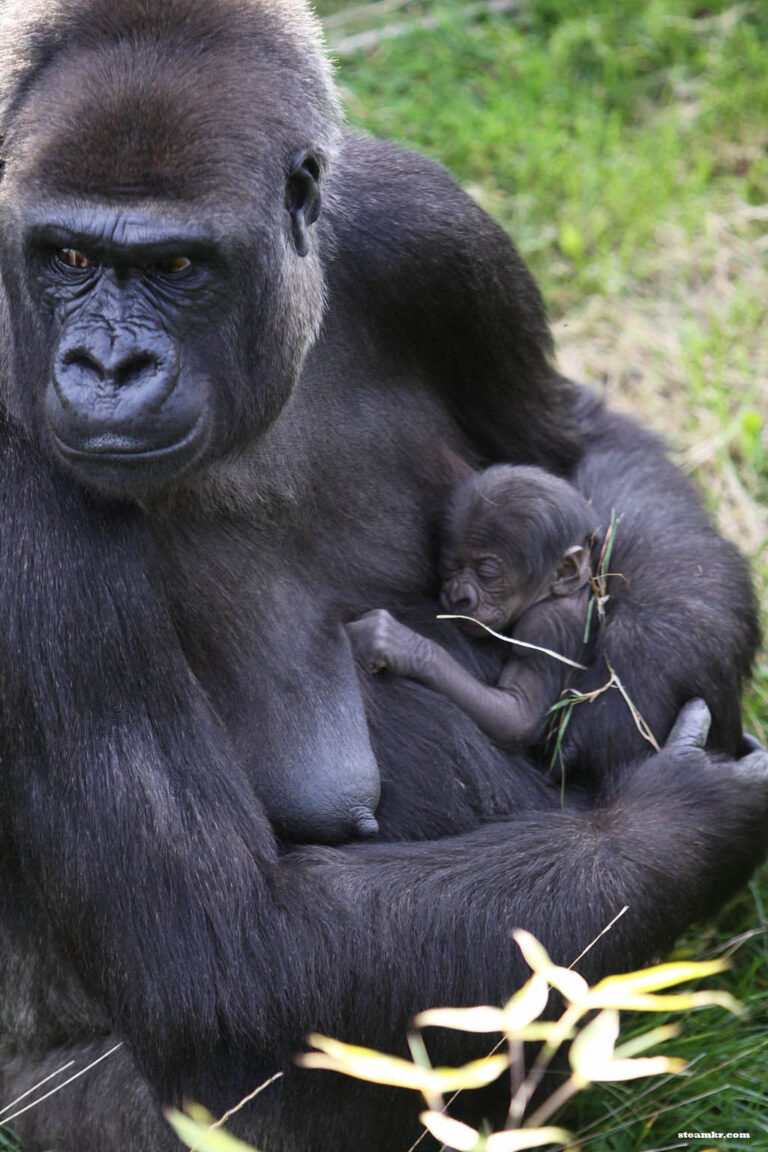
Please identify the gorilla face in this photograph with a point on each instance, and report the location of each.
(153, 359)
(157, 245)
(128, 395)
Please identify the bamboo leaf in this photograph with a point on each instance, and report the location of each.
(378, 1068)
(522, 1138)
(195, 1130)
(451, 1132)
(573, 986)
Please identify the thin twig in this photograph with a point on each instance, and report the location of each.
(640, 723)
(544, 1057)
(553, 1103)
(245, 1100)
(59, 1087)
(518, 643)
(571, 697)
(35, 1087)
(592, 943)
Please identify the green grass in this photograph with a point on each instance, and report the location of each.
(625, 147)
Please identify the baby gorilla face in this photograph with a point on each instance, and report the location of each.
(482, 585)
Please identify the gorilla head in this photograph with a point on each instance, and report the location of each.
(162, 175)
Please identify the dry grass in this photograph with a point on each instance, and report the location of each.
(655, 356)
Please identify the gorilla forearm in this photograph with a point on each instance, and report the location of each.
(656, 848)
(664, 846)
(650, 843)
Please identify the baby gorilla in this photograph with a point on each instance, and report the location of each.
(516, 551)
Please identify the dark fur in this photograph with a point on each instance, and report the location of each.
(157, 651)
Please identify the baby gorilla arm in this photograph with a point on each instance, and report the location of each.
(512, 714)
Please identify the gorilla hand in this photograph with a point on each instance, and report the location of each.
(379, 642)
(691, 728)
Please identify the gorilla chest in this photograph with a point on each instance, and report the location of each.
(259, 606)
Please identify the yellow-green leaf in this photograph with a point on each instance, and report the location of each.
(522, 1138)
(524, 1007)
(679, 1001)
(645, 1066)
(647, 1040)
(593, 1048)
(573, 986)
(451, 1132)
(480, 1019)
(661, 976)
(378, 1068)
(195, 1131)
(527, 1004)
(593, 1054)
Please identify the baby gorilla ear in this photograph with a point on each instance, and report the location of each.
(572, 571)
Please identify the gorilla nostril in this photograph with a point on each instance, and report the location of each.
(82, 363)
(136, 369)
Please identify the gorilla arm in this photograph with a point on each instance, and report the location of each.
(512, 715)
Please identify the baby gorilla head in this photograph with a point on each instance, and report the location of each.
(514, 536)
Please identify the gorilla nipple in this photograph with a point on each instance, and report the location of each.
(365, 823)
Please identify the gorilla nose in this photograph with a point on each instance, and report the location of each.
(460, 596)
(132, 367)
(89, 367)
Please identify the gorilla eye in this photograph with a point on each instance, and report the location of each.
(74, 259)
(172, 265)
(489, 568)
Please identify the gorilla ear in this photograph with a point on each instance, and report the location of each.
(302, 198)
(572, 571)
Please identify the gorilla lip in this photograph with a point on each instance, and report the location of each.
(189, 448)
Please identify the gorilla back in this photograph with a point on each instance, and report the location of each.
(238, 347)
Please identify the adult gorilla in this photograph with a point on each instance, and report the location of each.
(204, 474)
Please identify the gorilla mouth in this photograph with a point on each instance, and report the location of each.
(108, 459)
(475, 627)
(110, 446)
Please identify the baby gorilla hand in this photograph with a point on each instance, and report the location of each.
(379, 642)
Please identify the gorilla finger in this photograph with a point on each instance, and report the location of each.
(691, 727)
(750, 743)
(754, 766)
